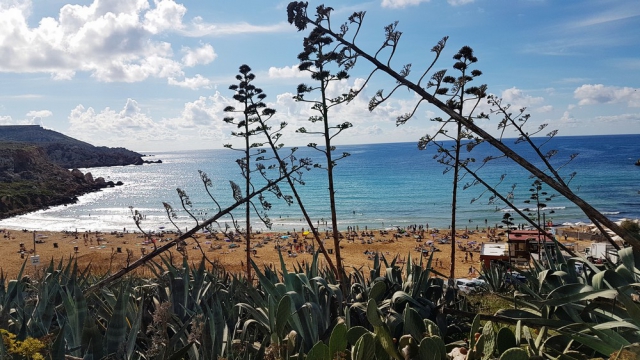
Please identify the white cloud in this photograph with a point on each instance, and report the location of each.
(39, 113)
(459, 2)
(108, 127)
(287, 72)
(63, 75)
(106, 39)
(33, 118)
(200, 56)
(568, 119)
(545, 109)
(199, 28)
(205, 111)
(518, 99)
(193, 83)
(600, 94)
(6, 120)
(167, 15)
(113, 41)
(613, 14)
(399, 4)
(621, 117)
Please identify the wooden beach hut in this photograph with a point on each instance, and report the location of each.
(523, 243)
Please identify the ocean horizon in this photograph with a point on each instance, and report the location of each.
(377, 186)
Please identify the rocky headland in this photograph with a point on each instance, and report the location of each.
(67, 151)
(39, 168)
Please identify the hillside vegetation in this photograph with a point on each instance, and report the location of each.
(29, 180)
(67, 151)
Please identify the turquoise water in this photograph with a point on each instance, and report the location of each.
(379, 186)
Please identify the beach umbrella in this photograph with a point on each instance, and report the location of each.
(305, 233)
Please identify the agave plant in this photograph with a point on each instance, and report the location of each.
(593, 311)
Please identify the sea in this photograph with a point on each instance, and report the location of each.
(378, 186)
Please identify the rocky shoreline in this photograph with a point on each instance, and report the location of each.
(29, 181)
(35, 163)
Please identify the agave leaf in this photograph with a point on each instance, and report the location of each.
(256, 314)
(632, 308)
(593, 342)
(180, 354)
(214, 330)
(542, 278)
(627, 259)
(92, 339)
(302, 321)
(74, 320)
(597, 281)
(45, 307)
(57, 350)
(271, 314)
(587, 295)
(532, 344)
(267, 284)
(117, 325)
(133, 332)
(541, 336)
(625, 274)
(409, 266)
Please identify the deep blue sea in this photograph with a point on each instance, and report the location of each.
(378, 186)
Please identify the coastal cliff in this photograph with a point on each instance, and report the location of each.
(67, 151)
(29, 181)
(35, 163)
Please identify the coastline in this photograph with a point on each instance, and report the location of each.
(381, 186)
(110, 251)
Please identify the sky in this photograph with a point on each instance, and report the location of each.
(155, 75)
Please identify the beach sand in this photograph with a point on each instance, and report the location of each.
(111, 251)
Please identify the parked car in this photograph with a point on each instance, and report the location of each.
(514, 277)
(470, 286)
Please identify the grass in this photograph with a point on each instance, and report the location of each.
(489, 303)
(25, 188)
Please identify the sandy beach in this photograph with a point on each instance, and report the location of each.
(111, 251)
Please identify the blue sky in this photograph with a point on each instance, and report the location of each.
(154, 75)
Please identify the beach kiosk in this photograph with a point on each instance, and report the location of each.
(490, 252)
(523, 243)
